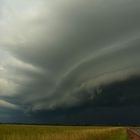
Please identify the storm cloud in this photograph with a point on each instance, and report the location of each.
(64, 56)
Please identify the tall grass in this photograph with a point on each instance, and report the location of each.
(31, 132)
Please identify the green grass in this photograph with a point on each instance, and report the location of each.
(38, 132)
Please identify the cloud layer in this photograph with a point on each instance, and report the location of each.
(62, 54)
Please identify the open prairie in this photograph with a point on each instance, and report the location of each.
(42, 132)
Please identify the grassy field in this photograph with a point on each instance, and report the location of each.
(38, 132)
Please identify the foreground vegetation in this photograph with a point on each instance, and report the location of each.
(38, 132)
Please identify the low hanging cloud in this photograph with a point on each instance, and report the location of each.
(5, 104)
(63, 54)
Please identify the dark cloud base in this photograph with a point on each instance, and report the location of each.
(118, 103)
(99, 115)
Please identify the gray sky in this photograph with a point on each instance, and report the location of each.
(58, 54)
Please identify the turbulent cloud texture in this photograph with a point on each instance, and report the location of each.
(65, 55)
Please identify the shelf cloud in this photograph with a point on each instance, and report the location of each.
(65, 56)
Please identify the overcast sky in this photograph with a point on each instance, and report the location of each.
(69, 60)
